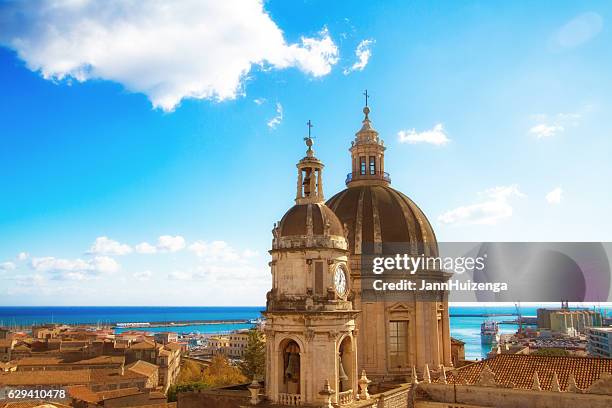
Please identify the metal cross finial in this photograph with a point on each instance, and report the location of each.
(310, 125)
(308, 139)
(367, 96)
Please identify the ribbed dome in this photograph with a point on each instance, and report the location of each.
(295, 221)
(380, 214)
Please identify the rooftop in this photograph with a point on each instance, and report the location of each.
(34, 361)
(68, 377)
(143, 367)
(518, 370)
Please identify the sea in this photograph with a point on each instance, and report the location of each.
(465, 328)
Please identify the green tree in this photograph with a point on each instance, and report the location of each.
(191, 372)
(174, 390)
(554, 352)
(193, 377)
(221, 372)
(253, 364)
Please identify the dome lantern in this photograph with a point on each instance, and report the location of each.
(367, 155)
(310, 175)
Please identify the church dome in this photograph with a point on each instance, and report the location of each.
(376, 215)
(296, 221)
(380, 214)
(309, 223)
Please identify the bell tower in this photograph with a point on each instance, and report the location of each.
(311, 342)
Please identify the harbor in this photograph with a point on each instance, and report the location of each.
(145, 325)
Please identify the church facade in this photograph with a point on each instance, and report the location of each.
(320, 331)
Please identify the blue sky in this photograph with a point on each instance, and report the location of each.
(120, 131)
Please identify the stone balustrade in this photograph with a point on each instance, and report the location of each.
(345, 397)
(289, 399)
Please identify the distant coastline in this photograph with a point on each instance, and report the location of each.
(465, 326)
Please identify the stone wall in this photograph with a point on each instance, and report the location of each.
(497, 397)
(396, 398)
(213, 399)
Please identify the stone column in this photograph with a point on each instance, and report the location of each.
(299, 185)
(312, 183)
(446, 335)
(434, 336)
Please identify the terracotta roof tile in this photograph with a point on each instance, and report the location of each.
(123, 392)
(68, 377)
(83, 393)
(48, 360)
(143, 345)
(518, 369)
(164, 405)
(32, 404)
(173, 346)
(6, 342)
(111, 376)
(144, 368)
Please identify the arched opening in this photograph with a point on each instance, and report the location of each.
(290, 369)
(346, 369)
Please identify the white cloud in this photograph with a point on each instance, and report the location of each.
(363, 52)
(554, 197)
(544, 130)
(551, 125)
(276, 120)
(30, 281)
(168, 243)
(249, 253)
(7, 266)
(168, 51)
(435, 136)
(22, 256)
(216, 250)
(216, 273)
(494, 208)
(165, 243)
(259, 101)
(145, 248)
(73, 267)
(180, 276)
(142, 276)
(579, 30)
(107, 246)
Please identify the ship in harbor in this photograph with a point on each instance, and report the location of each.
(131, 324)
(489, 332)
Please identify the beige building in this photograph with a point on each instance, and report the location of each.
(217, 345)
(167, 357)
(232, 345)
(599, 341)
(238, 343)
(568, 321)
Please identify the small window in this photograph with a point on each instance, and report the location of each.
(398, 344)
(319, 278)
(363, 166)
(372, 165)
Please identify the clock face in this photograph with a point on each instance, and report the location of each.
(340, 283)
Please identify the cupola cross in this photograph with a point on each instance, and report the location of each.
(367, 96)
